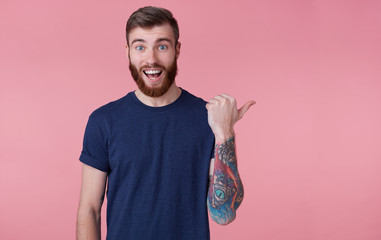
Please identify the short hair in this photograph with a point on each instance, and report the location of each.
(147, 17)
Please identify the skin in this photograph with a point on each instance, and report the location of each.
(225, 190)
(90, 204)
(152, 51)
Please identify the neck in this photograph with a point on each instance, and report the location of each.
(169, 97)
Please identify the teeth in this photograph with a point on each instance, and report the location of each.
(152, 71)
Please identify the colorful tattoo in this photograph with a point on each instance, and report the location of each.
(225, 187)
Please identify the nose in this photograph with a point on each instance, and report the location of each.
(151, 57)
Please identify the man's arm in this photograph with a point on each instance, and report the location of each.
(225, 186)
(225, 192)
(90, 204)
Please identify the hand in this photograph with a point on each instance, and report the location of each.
(223, 114)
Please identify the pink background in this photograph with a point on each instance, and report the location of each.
(308, 151)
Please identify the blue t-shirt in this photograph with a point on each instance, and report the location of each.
(157, 160)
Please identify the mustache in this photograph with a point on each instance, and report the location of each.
(154, 65)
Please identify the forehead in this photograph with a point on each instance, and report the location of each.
(152, 34)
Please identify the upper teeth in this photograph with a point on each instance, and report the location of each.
(152, 71)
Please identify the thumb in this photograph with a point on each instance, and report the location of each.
(244, 108)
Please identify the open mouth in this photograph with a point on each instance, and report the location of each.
(153, 74)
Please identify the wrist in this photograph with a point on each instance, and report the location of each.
(223, 136)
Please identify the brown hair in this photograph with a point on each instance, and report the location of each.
(148, 17)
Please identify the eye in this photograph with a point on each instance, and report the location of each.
(139, 48)
(162, 47)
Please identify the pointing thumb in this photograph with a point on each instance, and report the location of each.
(244, 108)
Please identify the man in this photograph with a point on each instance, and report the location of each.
(156, 146)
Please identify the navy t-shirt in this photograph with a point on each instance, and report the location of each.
(157, 160)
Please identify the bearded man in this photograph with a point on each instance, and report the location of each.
(168, 155)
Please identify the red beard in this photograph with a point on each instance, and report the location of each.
(169, 78)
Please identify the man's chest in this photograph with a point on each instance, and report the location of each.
(163, 141)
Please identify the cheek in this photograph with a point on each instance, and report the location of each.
(167, 60)
(166, 56)
(135, 58)
(135, 61)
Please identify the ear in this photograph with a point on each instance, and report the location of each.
(127, 51)
(178, 46)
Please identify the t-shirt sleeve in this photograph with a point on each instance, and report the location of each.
(214, 141)
(95, 149)
(212, 154)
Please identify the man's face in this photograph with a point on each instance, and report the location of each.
(153, 58)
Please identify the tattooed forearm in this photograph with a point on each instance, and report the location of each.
(225, 188)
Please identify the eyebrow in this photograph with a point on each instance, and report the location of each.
(137, 40)
(163, 39)
(157, 41)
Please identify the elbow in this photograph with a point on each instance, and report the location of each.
(222, 217)
(225, 214)
(225, 221)
(232, 213)
(85, 211)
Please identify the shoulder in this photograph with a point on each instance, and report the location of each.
(195, 107)
(110, 107)
(194, 100)
(108, 110)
